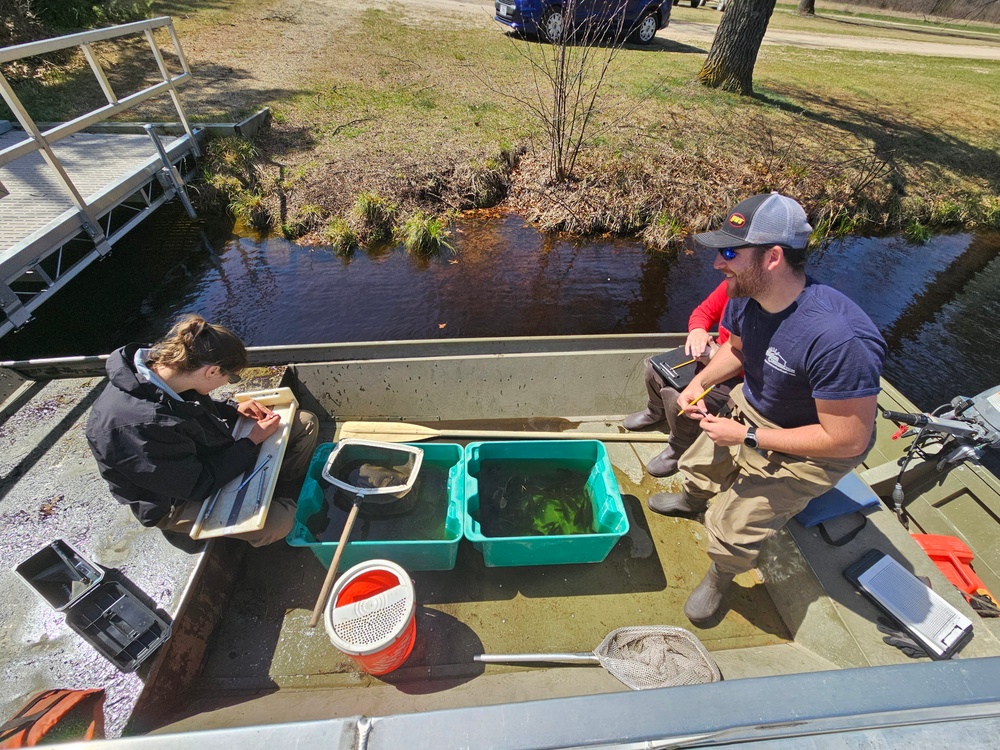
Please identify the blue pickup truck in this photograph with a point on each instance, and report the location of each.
(552, 19)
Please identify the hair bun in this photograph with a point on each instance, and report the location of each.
(190, 327)
(194, 343)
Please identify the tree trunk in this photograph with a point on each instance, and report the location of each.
(730, 62)
(807, 7)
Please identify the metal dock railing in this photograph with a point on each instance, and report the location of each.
(71, 195)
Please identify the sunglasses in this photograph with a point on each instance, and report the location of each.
(729, 253)
(233, 377)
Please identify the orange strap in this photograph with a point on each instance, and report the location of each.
(60, 715)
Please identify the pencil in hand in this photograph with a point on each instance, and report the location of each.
(696, 400)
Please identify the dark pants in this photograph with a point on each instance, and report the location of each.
(663, 400)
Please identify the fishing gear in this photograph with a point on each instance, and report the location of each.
(963, 429)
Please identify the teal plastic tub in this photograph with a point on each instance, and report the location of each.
(541, 481)
(442, 495)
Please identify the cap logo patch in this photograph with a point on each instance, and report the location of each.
(737, 220)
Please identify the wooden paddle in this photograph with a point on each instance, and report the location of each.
(401, 432)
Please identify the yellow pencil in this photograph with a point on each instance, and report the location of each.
(695, 401)
(677, 367)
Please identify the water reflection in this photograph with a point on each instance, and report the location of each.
(934, 303)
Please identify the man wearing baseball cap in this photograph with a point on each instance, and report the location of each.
(805, 414)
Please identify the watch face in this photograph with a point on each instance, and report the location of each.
(751, 439)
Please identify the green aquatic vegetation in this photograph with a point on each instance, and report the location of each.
(307, 218)
(521, 499)
(917, 233)
(376, 216)
(991, 212)
(339, 236)
(252, 208)
(424, 235)
(665, 232)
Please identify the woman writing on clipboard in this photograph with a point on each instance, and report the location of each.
(164, 446)
(662, 397)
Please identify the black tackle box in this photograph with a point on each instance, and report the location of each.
(108, 616)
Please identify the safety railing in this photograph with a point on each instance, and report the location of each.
(38, 140)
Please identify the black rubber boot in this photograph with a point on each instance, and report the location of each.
(675, 504)
(652, 415)
(665, 463)
(706, 599)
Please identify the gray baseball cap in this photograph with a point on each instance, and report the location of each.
(767, 219)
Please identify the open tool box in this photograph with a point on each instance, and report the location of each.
(104, 612)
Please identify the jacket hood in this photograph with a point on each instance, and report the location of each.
(122, 374)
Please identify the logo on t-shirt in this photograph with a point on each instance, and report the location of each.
(774, 359)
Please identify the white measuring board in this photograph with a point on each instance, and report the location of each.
(235, 511)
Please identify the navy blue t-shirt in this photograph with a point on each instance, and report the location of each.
(822, 346)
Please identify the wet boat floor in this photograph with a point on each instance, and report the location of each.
(264, 643)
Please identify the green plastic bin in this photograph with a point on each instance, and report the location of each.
(412, 554)
(609, 520)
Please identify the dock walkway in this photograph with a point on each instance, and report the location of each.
(100, 165)
(69, 195)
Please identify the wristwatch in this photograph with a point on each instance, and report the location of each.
(750, 441)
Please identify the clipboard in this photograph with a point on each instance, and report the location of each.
(666, 365)
(235, 509)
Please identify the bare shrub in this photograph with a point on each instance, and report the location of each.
(567, 79)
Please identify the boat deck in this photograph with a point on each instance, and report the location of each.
(264, 642)
(250, 608)
(794, 614)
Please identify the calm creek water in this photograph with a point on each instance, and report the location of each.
(936, 304)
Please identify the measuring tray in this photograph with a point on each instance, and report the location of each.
(242, 505)
(105, 613)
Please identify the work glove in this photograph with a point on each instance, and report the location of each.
(896, 636)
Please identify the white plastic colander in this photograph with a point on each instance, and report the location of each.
(373, 624)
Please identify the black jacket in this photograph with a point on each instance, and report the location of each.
(155, 451)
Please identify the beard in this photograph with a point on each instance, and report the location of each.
(750, 283)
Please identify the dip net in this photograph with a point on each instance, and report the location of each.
(656, 656)
(641, 657)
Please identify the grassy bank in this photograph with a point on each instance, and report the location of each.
(868, 142)
(411, 105)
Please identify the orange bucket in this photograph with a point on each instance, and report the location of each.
(370, 615)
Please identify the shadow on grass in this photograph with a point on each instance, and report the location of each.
(897, 139)
(72, 90)
(658, 44)
(181, 7)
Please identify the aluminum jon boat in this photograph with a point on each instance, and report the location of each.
(802, 662)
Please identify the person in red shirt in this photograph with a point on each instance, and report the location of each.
(662, 403)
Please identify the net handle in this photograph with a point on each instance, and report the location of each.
(331, 574)
(576, 658)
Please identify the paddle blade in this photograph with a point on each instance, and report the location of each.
(388, 432)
